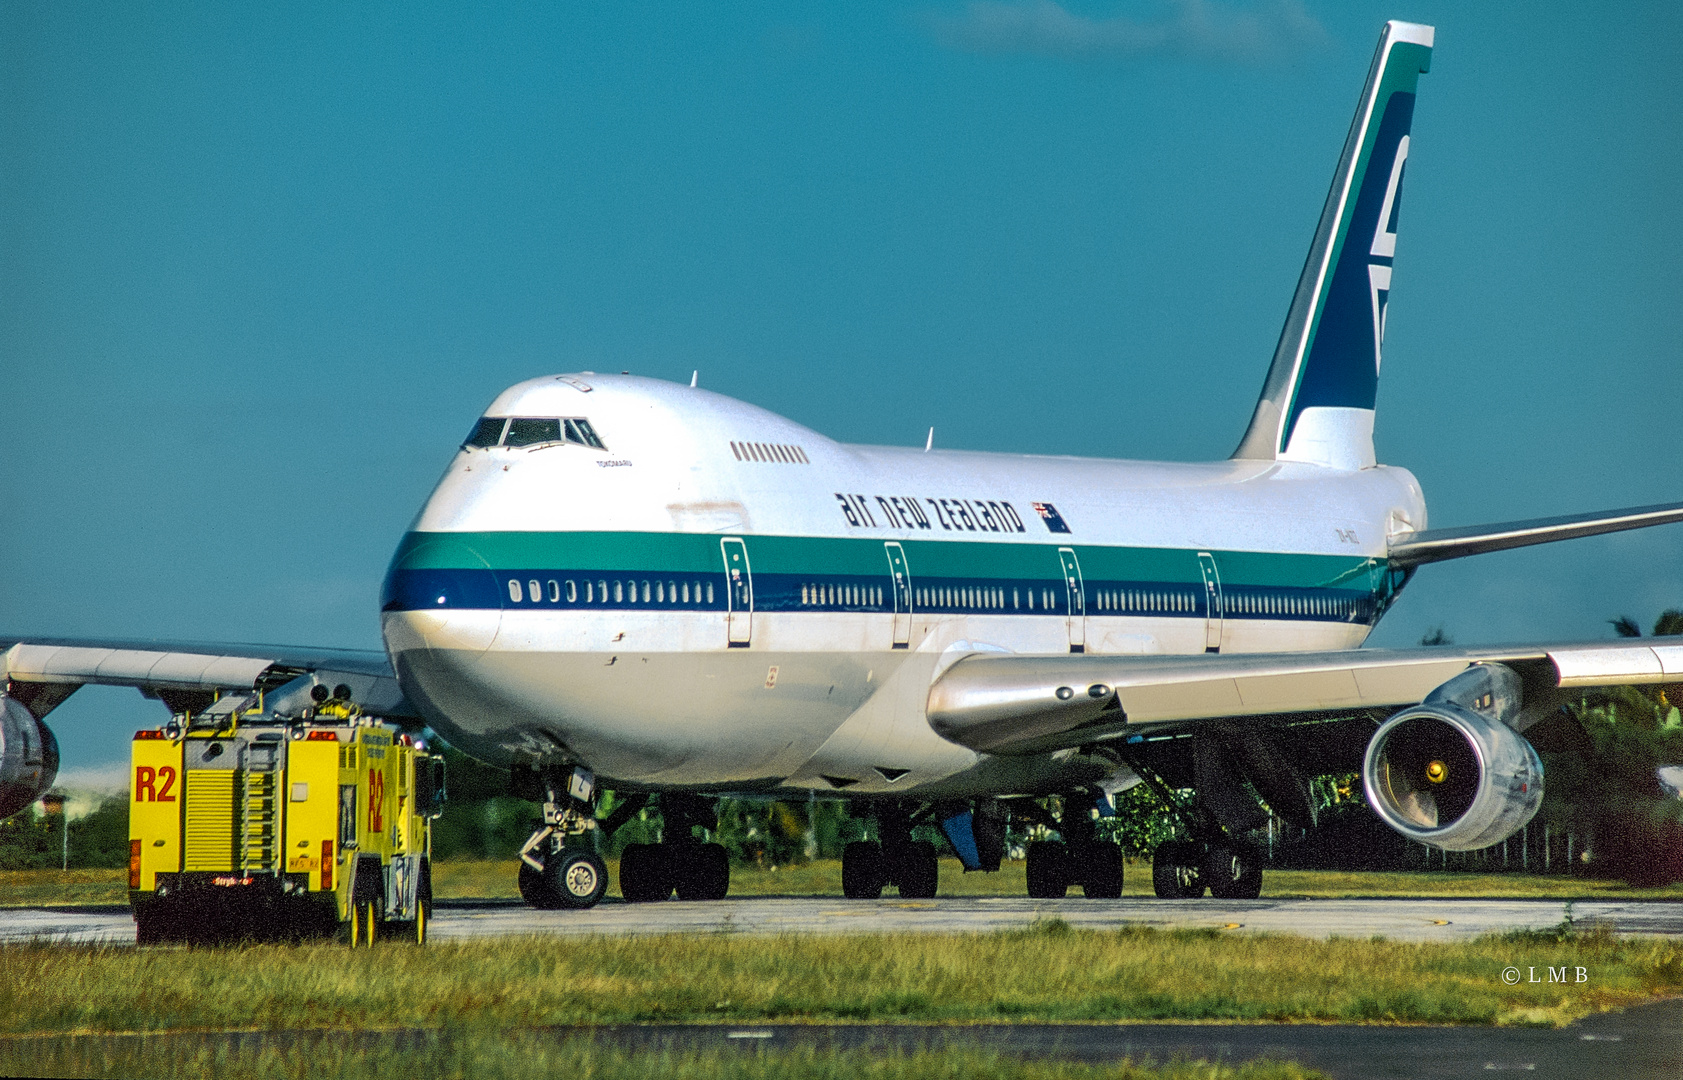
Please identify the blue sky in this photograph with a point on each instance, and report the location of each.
(260, 270)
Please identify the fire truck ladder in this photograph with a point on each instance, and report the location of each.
(259, 813)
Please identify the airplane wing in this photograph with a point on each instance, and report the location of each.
(1435, 545)
(41, 673)
(1008, 704)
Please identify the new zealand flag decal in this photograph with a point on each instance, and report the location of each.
(1049, 514)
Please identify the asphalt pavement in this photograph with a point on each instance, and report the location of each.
(1399, 920)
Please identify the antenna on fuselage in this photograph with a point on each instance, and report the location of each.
(694, 375)
(929, 442)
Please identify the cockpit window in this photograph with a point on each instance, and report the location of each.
(488, 432)
(524, 431)
(533, 431)
(580, 431)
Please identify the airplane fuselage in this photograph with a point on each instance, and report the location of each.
(715, 596)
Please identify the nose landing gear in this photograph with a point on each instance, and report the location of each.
(557, 868)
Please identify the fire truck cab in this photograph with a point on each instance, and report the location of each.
(247, 825)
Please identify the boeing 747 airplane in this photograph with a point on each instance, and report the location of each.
(639, 585)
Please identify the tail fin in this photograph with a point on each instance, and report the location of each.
(1317, 404)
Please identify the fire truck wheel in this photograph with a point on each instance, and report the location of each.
(578, 879)
(365, 924)
(149, 929)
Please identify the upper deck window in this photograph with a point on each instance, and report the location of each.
(533, 431)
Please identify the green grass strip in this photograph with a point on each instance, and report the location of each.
(486, 1056)
(1048, 973)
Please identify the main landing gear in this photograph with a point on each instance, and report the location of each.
(893, 859)
(559, 867)
(1080, 858)
(1213, 859)
(681, 862)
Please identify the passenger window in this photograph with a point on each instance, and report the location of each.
(572, 592)
(555, 592)
(534, 590)
(602, 588)
(645, 592)
(514, 590)
(709, 592)
(488, 432)
(619, 593)
(525, 431)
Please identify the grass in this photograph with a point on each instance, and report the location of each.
(492, 879)
(495, 1056)
(1048, 973)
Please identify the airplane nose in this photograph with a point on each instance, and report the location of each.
(441, 595)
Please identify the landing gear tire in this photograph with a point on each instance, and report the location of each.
(1176, 872)
(1048, 870)
(702, 872)
(916, 871)
(575, 879)
(862, 870)
(1233, 872)
(645, 873)
(532, 889)
(1101, 877)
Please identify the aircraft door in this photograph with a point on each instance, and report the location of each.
(1213, 605)
(902, 589)
(1077, 600)
(739, 592)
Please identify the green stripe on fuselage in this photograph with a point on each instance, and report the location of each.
(700, 553)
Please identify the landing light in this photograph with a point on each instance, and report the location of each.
(1065, 693)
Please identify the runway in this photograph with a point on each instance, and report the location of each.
(1399, 920)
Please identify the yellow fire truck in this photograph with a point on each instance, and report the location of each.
(245, 825)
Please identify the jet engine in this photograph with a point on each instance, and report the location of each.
(28, 757)
(1450, 772)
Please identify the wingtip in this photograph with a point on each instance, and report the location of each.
(1417, 33)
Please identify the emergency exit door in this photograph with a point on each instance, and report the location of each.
(901, 587)
(739, 592)
(1077, 600)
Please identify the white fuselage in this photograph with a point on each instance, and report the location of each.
(720, 598)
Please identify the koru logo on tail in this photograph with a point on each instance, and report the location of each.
(1384, 248)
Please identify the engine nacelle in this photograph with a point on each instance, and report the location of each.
(1449, 772)
(28, 757)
